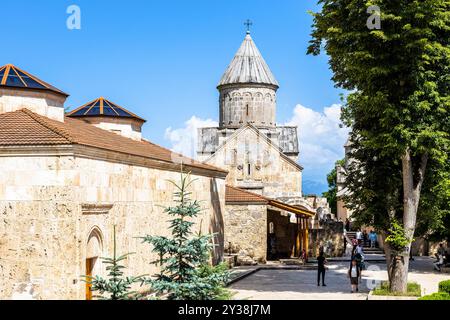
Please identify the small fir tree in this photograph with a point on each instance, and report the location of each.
(184, 258)
(115, 285)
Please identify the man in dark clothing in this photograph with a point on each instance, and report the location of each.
(321, 262)
(347, 224)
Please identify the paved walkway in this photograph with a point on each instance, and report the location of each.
(284, 284)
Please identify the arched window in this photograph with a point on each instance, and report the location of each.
(94, 249)
(271, 228)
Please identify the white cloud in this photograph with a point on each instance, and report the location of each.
(321, 139)
(320, 136)
(184, 140)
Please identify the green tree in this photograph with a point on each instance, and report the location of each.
(184, 258)
(115, 285)
(398, 106)
(331, 194)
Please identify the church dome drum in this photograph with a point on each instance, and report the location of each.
(247, 90)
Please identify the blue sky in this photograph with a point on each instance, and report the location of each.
(163, 59)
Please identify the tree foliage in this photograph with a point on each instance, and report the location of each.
(184, 257)
(331, 194)
(398, 108)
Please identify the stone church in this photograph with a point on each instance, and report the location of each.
(260, 155)
(261, 158)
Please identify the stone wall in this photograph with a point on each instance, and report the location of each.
(126, 127)
(50, 205)
(246, 230)
(250, 104)
(45, 103)
(330, 236)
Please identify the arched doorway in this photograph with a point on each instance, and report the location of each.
(94, 248)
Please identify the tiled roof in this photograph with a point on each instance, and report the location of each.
(237, 195)
(12, 76)
(102, 107)
(248, 66)
(233, 194)
(26, 128)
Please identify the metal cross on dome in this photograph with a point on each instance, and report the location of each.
(248, 24)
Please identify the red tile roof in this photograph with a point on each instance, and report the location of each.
(233, 194)
(26, 128)
(237, 195)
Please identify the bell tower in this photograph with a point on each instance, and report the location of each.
(247, 90)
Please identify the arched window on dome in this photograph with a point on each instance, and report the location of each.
(247, 116)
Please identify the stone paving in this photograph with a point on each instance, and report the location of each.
(284, 284)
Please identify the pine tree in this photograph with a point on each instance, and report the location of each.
(184, 258)
(115, 285)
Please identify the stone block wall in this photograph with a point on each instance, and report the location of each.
(330, 235)
(50, 205)
(255, 105)
(246, 230)
(45, 103)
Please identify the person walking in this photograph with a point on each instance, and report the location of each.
(365, 237)
(359, 257)
(359, 235)
(372, 238)
(347, 224)
(440, 258)
(321, 262)
(354, 275)
(345, 243)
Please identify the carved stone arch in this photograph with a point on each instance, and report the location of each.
(94, 250)
(299, 202)
(94, 244)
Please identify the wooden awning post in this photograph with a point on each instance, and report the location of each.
(298, 238)
(306, 235)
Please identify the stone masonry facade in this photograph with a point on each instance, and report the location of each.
(50, 205)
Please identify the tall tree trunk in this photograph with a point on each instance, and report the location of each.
(388, 254)
(412, 184)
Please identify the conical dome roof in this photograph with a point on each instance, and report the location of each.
(102, 107)
(248, 66)
(11, 76)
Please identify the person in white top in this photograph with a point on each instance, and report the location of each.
(358, 235)
(353, 274)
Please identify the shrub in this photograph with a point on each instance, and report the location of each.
(444, 286)
(436, 296)
(414, 290)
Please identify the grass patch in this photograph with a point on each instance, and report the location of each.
(414, 290)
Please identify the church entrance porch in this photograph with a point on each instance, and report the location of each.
(287, 235)
(258, 228)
